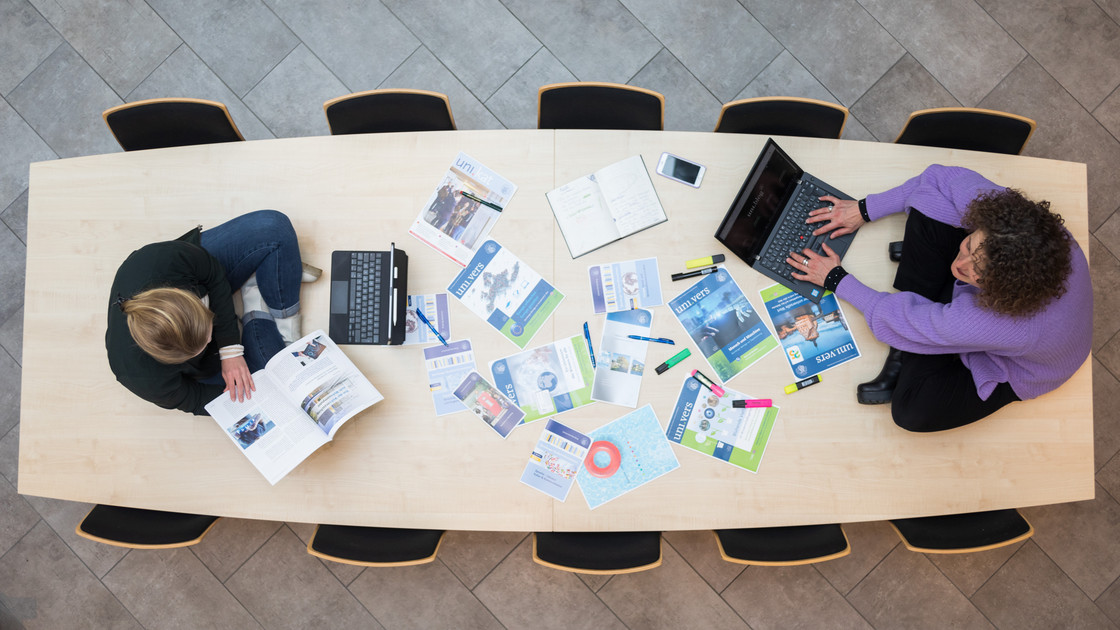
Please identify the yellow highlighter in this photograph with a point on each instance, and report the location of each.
(704, 262)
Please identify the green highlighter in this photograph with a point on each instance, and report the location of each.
(673, 360)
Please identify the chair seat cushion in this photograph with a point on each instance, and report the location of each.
(599, 551)
(962, 531)
(376, 545)
(783, 544)
(144, 527)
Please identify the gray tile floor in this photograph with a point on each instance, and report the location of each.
(274, 62)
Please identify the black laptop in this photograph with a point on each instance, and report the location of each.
(368, 295)
(767, 219)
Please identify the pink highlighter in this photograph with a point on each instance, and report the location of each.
(751, 403)
(707, 382)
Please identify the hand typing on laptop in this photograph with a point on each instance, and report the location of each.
(842, 215)
(811, 266)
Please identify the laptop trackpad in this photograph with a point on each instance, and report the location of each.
(340, 296)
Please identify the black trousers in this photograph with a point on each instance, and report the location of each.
(936, 391)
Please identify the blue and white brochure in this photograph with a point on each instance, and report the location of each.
(723, 323)
(622, 360)
(815, 337)
(500, 288)
(645, 456)
(447, 365)
(622, 286)
(555, 460)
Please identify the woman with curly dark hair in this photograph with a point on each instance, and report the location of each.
(994, 305)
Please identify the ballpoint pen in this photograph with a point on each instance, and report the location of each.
(480, 200)
(429, 325)
(590, 350)
(692, 274)
(654, 339)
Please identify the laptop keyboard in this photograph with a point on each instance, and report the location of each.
(365, 300)
(793, 234)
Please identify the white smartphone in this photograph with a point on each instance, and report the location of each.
(680, 170)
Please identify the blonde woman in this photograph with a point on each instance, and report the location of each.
(173, 337)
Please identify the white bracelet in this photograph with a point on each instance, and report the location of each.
(231, 351)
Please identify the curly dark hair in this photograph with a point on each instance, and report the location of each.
(1024, 260)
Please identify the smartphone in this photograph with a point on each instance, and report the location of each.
(680, 170)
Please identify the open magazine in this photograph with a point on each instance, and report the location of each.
(304, 394)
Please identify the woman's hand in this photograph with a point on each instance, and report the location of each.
(811, 266)
(843, 217)
(239, 382)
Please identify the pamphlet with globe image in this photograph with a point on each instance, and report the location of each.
(547, 380)
(500, 288)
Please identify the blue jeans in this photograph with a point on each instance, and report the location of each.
(261, 242)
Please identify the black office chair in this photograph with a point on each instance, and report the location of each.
(968, 128)
(381, 111)
(783, 116)
(604, 553)
(170, 122)
(375, 546)
(783, 546)
(143, 529)
(587, 105)
(963, 533)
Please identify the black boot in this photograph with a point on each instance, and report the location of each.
(878, 391)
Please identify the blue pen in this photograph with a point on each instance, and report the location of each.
(433, 328)
(654, 339)
(587, 336)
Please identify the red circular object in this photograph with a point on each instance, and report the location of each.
(603, 446)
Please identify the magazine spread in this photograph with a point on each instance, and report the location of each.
(710, 425)
(622, 360)
(605, 206)
(724, 325)
(547, 380)
(816, 337)
(304, 394)
(460, 213)
(622, 286)
(501, 289)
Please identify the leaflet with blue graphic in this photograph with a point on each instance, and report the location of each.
(547, 380)
(447, 366)
(645, 456)
(622, 360)
(622, 286)
(815, 337)
(709, 424)
(724, 325)
(555, 460)
(434, 307)
(501, 289)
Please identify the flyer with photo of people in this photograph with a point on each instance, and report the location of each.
(815, 337)
(463, 208)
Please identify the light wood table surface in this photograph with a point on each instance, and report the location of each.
(84, 437)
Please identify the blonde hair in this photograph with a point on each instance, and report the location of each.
(171, 325)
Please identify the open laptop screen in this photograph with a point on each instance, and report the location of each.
(760, 202)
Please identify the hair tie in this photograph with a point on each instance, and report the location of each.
(119, 303)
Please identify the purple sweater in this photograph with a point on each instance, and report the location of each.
(1035, 354)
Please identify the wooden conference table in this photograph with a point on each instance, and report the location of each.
(84, 437)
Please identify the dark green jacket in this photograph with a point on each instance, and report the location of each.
(182, 264)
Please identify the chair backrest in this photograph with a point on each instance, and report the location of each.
(963, 533)
(375, 546)
(143, 529)
(587, 105)
(170, 122)
(783, 546)
(381, 111)
(783, 116)
(968, 128)
(604, 553)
